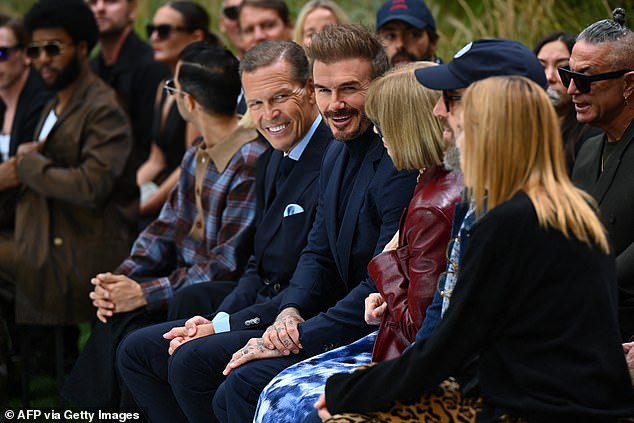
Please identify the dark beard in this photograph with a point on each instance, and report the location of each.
(68, 75)
(409, 57)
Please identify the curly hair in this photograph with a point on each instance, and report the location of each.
(74, 16)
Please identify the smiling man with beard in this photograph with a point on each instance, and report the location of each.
(76, 214)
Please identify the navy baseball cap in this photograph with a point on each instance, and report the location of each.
(414, 12)
(481, 59)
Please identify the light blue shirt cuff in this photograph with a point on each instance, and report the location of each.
(221, 322)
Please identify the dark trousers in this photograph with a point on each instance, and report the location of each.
(237, 397)
(179, 388)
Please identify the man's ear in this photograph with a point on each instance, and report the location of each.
(310, 86)
(82, 48)
(629, 86)
(190, 102)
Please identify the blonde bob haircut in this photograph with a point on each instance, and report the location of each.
(334, 8)
(402, 108)
(512, 142)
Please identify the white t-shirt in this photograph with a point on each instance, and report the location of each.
(48, 125)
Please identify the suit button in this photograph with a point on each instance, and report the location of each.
(277, 287)
(252, 322)
(267, 281)
(58, 242)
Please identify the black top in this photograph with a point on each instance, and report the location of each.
(169, 136)
(539, 308)
(135, 77)
(32, 99)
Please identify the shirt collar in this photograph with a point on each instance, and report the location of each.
(297, 151)
(222, 153)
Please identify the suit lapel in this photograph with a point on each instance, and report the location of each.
(357, 196)
(306, 170)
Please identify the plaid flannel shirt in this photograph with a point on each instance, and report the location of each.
(205, 229)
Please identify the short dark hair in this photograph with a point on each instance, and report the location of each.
(348, 41)
(269, 52)
(16, 26)
(210, 74)
(195, 18)
(279, 6)
(74, 16)
(565, 37)
(612, 31)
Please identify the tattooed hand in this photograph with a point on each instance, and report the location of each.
(283, 335)
(253, 350)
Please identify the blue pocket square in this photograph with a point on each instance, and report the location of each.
(292, 209)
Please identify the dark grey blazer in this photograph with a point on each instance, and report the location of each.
(614, 191)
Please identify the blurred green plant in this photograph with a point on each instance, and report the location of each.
(458, 21)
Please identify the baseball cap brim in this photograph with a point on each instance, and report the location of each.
(439, 78)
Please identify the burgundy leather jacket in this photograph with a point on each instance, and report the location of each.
(406, 277)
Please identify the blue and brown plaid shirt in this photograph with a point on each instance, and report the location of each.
(205, 229)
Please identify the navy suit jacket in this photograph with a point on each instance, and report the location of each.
(334, 265)
(612, 190)
(278, 240)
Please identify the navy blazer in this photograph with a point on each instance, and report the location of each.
(612, 190)
(278, 240)
(334, 265)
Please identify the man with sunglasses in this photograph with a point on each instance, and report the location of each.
(478, 60)
(127, 64)
(228, 25)
(22, 96)
(600, 80)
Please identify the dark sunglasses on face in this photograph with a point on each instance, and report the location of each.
(51, 48)
(5, 52)
(231, 12)
(170, 88)
(450, 98)
(584, 82)
(163, 31)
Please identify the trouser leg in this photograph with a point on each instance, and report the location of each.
(142, 362)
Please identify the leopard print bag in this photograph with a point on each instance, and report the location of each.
(446, 405)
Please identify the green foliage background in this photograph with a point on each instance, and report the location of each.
(458, 21)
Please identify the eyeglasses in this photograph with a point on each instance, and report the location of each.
(51, 48)
(231, 12)
(448, 99)
(452, 269)
(584, 82)
(170, 88)
(163, 31)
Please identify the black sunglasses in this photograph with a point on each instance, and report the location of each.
(231, 12)
(449, 98)
(51, 48)
(584, 82)
(5, 52)
(170, 88)
(163, 31)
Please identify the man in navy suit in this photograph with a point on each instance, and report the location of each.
(361, 199)
(280, 96)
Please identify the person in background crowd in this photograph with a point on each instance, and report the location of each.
(22, 97)
(175, 25)
(127, 64)
(228, 25)
(408, 31)
(203, 233)
(532, 366)
(600, 81)
(406, 271)
(261, 20)
(314, 16)
(276, 77)
(553, 52)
